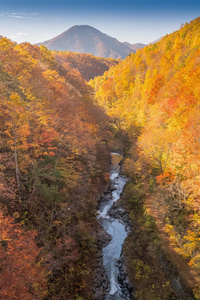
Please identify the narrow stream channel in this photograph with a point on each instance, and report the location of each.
(111, 253)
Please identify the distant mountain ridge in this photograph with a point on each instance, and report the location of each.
(87, 39)
(135, 46)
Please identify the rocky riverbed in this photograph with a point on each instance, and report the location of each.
(111, 280)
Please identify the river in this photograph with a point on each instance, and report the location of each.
(111, 253)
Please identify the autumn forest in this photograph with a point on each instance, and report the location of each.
(61, 115)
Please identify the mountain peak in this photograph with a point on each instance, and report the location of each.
(87, 39)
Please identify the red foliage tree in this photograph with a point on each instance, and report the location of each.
(21, 276)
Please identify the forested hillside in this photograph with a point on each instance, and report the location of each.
(53, 164)
(88, 65)
(54, 159)
(154, 95)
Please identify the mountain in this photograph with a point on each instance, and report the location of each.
(86, 39)
(134, 47)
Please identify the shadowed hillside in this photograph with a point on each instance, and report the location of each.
(88, 65)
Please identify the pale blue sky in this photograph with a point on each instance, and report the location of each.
(127, 20)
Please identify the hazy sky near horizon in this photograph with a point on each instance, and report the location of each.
(127, 20)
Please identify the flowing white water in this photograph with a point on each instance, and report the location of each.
(111, 253)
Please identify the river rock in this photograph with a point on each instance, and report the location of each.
(119, 213)
(124, 281)
(101, 282)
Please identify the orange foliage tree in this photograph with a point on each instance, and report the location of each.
(160, 105)
(21, 274)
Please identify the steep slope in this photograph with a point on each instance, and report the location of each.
(53, 164)
(154, 95)
(86, 39)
